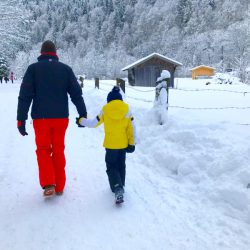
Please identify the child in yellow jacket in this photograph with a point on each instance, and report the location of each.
(119, 127)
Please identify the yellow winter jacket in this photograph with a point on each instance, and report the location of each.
(118, 127)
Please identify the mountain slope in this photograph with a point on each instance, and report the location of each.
(101, 37)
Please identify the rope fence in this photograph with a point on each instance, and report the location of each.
(209, 108)
(190, 90)
(140, 90)
(187, 90)
(218, 90)
(193, 90)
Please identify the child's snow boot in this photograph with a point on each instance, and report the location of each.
(119, 195)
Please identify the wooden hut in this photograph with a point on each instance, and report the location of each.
(145, 71)
(202, 70)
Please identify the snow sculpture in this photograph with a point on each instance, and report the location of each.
(161, 97)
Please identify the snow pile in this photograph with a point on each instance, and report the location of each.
(226, 78)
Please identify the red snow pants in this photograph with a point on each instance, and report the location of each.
(50, 135)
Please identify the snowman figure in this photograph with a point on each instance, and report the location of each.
(161, 97)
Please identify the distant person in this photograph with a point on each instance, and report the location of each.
(1, 79)
(12, 77)
(6, 79)
(46, 84)
(119, 128)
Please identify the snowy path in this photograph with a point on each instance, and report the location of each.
(172, 202)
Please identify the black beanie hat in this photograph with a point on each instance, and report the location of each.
(114, 94)
(48, 46)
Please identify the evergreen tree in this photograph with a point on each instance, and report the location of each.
(108, 6)
(119, 8)
(184, 12)
(4, 69)
(14, 21)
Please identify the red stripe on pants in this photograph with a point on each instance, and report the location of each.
(50, 135)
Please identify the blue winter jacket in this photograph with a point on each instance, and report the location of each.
(47, 83)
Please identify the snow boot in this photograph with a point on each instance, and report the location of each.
(49, 191)
(119, 195)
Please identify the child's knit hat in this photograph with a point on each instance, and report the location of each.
(114, 94)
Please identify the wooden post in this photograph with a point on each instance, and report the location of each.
(81, 80)
(121, 84)
(97, 82)
(168, 84)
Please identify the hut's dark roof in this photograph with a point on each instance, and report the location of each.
(156, 55)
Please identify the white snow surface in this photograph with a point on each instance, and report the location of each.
(185, 187)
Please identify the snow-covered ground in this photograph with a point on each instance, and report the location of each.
(186, 182)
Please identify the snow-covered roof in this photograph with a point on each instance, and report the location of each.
(202, 66)
(142, 60)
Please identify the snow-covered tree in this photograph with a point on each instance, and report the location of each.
(4, 68)
(190, 31)
(14, 22)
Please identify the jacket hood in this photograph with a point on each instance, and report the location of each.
(116, 109)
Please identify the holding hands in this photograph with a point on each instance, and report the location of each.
(78, 122)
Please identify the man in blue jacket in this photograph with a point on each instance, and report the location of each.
(46, 84)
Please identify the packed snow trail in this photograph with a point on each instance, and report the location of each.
(181, 189)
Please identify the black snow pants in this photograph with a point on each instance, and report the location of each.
(116, 167)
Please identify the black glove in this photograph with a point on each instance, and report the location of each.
(78, 122)
(21, 128)
(130, 149)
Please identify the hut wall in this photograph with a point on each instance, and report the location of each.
(131, 77)
(147, 73)
(202, 72)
